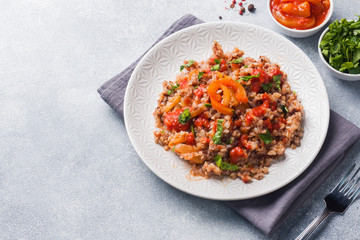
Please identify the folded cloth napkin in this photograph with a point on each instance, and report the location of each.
(270, 211)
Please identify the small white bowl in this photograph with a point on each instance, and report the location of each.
(333, 71)
(301, 33)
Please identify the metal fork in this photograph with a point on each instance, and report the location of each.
(338, 201)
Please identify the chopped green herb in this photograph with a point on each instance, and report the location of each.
(196, 87)
(173, 88)
(267, 87)
(185, 116)
(162, 131)
(215, 67)
(237, 61)
(218, 133)
(340, 46)
(200, 75)
(230, 141)
(190, 62)
(224, 165)
(192, 130)
(247, 78)
(246, 66)
(267, 138)
(294, 92)
(217, 61)
(277, 81)
(173, 149)
(208, 105)
(284, 109)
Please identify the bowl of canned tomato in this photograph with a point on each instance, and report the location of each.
(300, 18)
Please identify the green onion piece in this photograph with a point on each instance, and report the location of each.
(192, 130)
(237, 61)
(247, 78)
(215, 67)
(168, 92)
(267, 138)
(200, 75)
(284, 109)
(190, 62)
(184, 117)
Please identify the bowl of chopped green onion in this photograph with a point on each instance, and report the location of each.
(339, 49)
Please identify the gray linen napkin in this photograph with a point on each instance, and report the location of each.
(270, 211)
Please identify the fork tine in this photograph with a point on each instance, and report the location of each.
(355, 193)
(353, 183)
(345, 177)
(349, 182)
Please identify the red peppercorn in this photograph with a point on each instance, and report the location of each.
(240, 12)
(240, 4)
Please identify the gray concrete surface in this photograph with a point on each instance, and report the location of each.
(67, 168)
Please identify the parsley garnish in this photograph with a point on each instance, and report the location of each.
(208, 105)
(237, 61)
(267, 87)
(224, 165)
(284, 109)
(267, 138)
(168, 92)
(185, 116)
(247, 78)
(246, 66)
(277, 81)
(217, 61)
(218, 133)
(200, 75)
(190, 62)
(340, 46)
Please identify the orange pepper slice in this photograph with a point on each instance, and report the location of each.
(221, 103)
(226, 95)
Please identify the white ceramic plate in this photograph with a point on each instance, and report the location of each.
(162, 63)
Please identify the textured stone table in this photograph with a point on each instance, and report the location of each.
(67, 168)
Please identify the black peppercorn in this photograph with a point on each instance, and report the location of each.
(251, 7)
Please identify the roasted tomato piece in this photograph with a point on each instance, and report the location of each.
(171, 120)
(236, 154)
